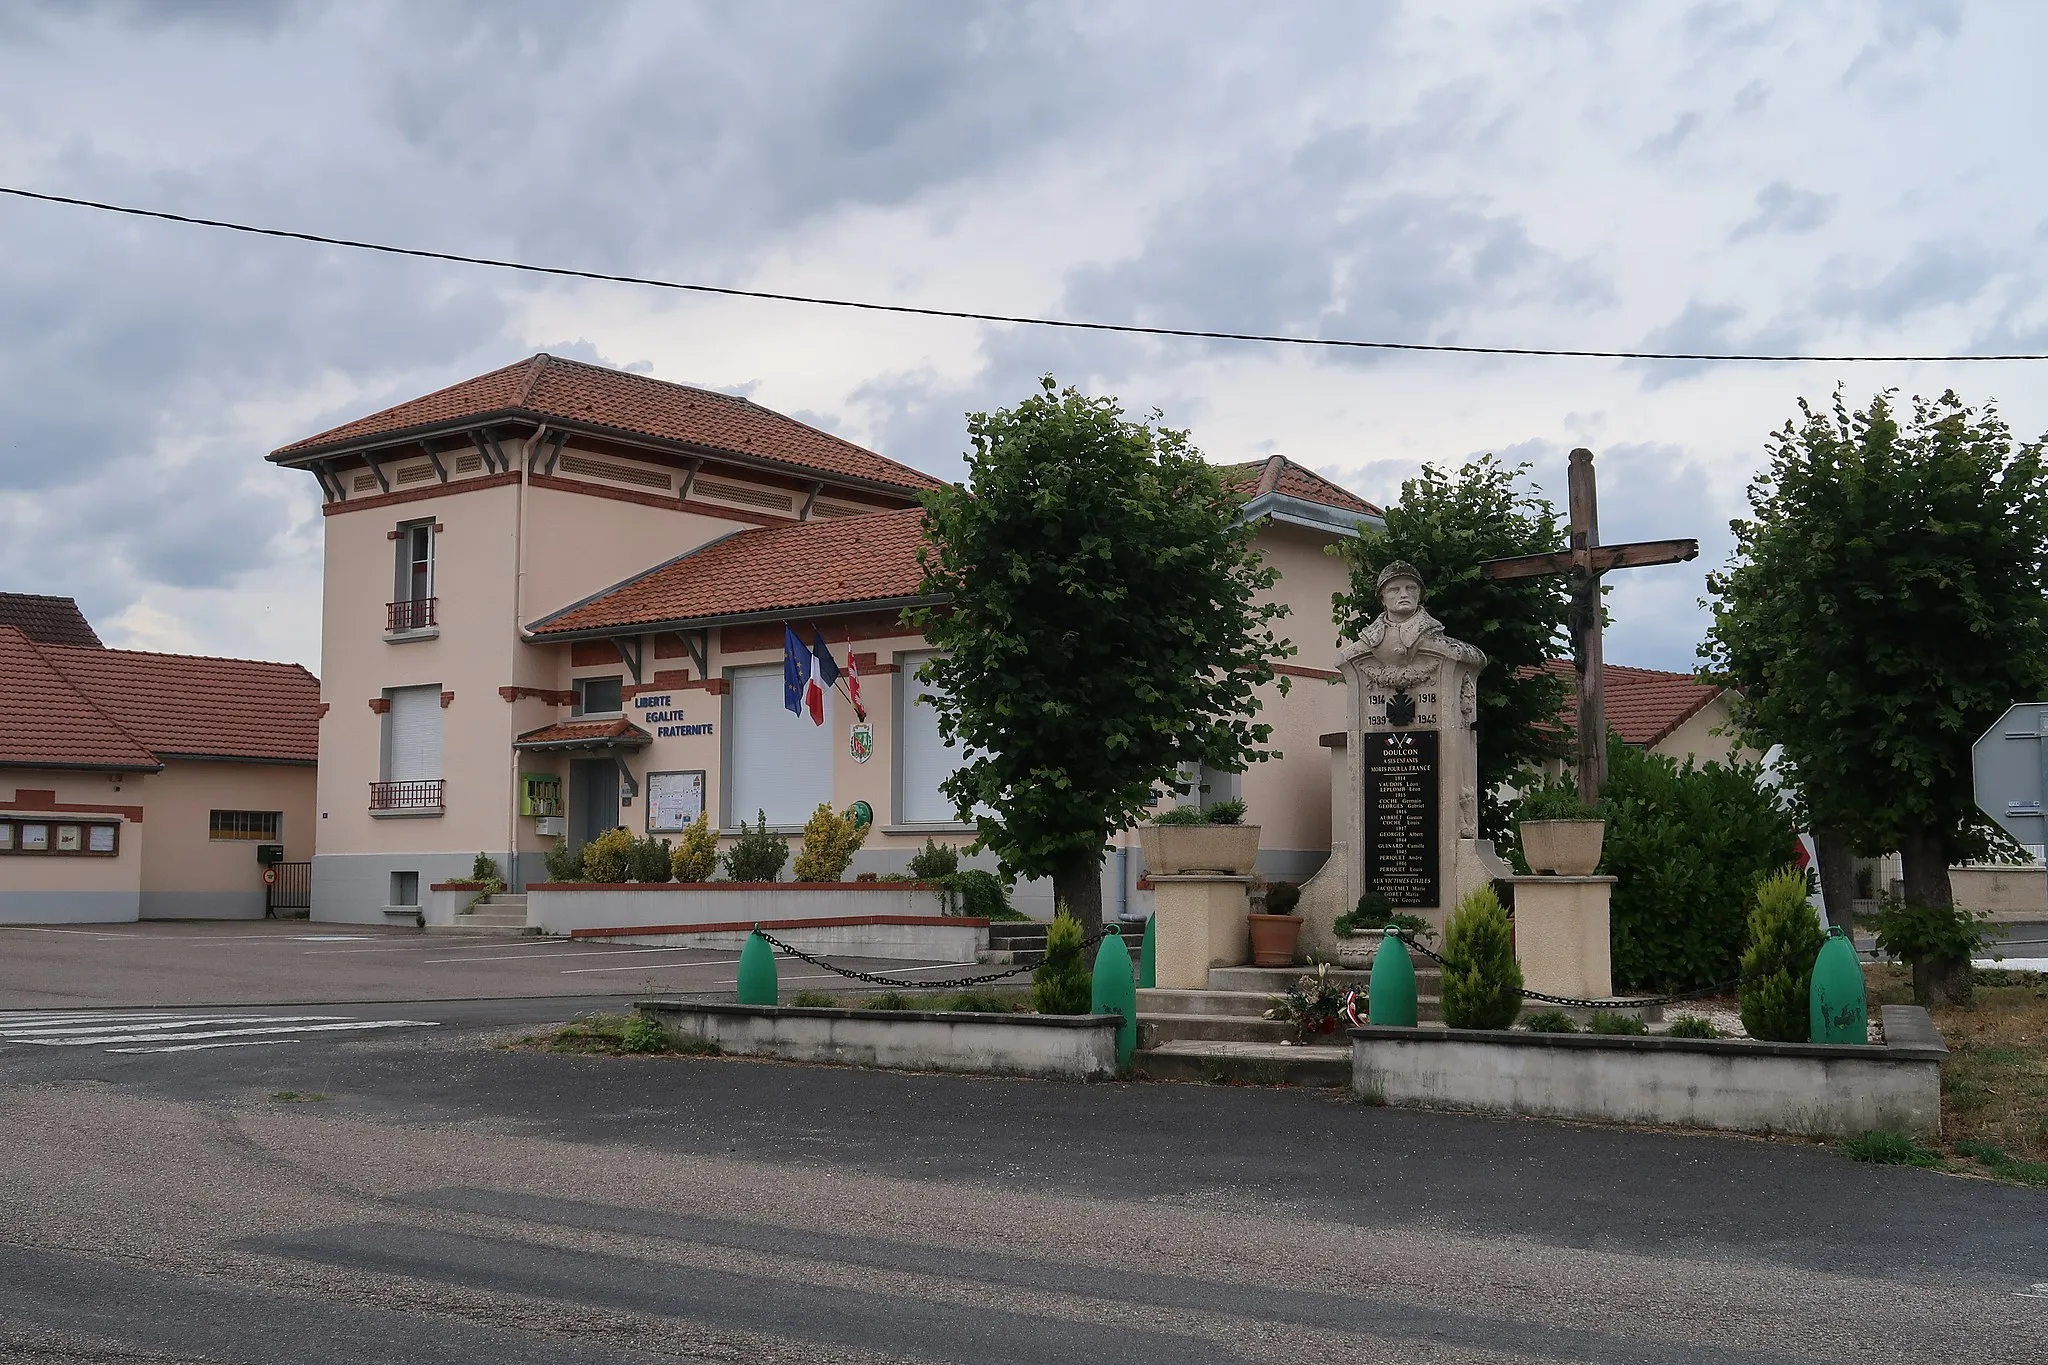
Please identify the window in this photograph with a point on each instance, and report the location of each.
(60, 838)
(405, 888)
(777, 763)
(412, 592)
(600, 696)
(923, 758)
(411, 757)
(260, 825)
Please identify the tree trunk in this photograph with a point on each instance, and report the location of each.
(1837, 876)
(1941, 981)
(1923, 857)
(1077, 884)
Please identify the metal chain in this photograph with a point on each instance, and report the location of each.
(1624, 1002)
(957, 984)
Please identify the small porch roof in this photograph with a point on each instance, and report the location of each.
(594, 736)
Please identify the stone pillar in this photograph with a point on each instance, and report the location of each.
(1198, 923)
(1561, 935)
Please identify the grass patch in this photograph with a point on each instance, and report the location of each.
(299, 1096)
(959, 1002)
(1692, 1026)
(1608, 1021)
(1881, 1148)
(1994, 1085)
(617, 1035)
(1549, 1021)
(814, 1000)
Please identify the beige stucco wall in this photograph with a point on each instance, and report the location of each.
(1696, 737)
(51, 889)
(187, 873)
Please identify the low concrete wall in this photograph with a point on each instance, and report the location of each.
(69, 907)
(565, 907)
(911, 938)
(1074, 1047)
(2012, 894)
(1812, 1089)
(202, 904)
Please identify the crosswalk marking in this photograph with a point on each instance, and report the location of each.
(167, 1031)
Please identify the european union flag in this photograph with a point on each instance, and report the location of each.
(796, 671)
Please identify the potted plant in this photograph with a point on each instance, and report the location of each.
(1197, 839)
(1275, 932)
(1360, 929)
(1560, 834)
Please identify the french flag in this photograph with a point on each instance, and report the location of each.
(824, 673)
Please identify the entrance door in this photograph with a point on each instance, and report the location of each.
(593, 798)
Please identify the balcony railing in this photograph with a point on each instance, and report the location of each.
(415, 795)
(418, 614)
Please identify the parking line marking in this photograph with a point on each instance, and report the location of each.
(231, 1032)
(202, 1047)
(53, 1030)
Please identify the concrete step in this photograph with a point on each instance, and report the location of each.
(512, 919)
(460, 930)
(1243, 1004)
(1246, 1063)
(1155, 1029)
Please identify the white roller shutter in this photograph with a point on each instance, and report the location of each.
(415, 734)
(781, 764)
(924, 759)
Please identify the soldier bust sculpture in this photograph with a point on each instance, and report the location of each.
(1405, 641)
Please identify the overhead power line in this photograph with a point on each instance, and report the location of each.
(966, 315)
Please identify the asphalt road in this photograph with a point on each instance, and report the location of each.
(452, 1201)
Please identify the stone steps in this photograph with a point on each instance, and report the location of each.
(1246, 1063)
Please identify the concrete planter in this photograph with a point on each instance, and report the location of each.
(1355, 951)
(1076, 1047)
(1177, 850)
(1565, 848)
(1736, 1084)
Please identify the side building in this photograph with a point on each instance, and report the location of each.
(555, 602)
(138, 785)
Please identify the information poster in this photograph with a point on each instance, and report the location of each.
(674, 800)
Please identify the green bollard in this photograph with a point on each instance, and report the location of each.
(757, 982)
(1148, 955)
(1390, 991)
(1113, 992)
(1836, 1010)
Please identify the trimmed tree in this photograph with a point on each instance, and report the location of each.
(1777, 967)
(1106, 624)
(1887, 599)
(1482, 981)
(1446, 525)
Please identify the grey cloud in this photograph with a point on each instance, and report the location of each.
(1782, 208)
(1932, 275)
(1674, 137)
(1710, 329)
(1890, 56)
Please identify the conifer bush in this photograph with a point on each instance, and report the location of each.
(757, 855)
(830, 841)
(564, 863)
(1482, 980)
(1065, 982)
(609, 857)
(651, 859)
(1777, 967)
(696, 857)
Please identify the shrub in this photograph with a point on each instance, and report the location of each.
(1181, 815)
(982, 1002)
(830, 841)
(1557, 800)
(980, 894)
(651, 860)
(1482, 982)
(1777, 968)
(564, 864)
(934, 861)
(696, 857)
(1914, 933)
(757, 855)
(1282, 897)
(1374, 912)
(1064, 983)
(1550, 1021)
(1612, 1022)
(1229, 812)
(1689, 845)
(891, 1000)
(485, 870)
(642, 1034)
(609, 856)
(816, 1000)
(1692, 1026)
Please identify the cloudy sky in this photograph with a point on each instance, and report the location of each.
(1806, 177)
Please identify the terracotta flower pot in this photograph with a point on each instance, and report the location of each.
(1170, 850)
(1273, 939)
(1563, 848)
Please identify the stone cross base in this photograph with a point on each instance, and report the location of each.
(1198, 923)
(1561, 935)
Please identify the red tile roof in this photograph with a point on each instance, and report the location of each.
(46, 723)
(548, 388)
(47, 620)
(567, 734)
(845, 561)
(1279, 474)
(1643, 705)
(180, 705)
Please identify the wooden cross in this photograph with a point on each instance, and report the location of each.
(1585, 561)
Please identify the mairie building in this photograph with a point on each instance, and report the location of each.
(555, 601)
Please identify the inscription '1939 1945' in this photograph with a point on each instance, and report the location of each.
(1401, 825)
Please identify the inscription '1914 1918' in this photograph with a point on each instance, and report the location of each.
(1401, 826)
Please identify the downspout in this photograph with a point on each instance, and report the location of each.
(518, 643)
